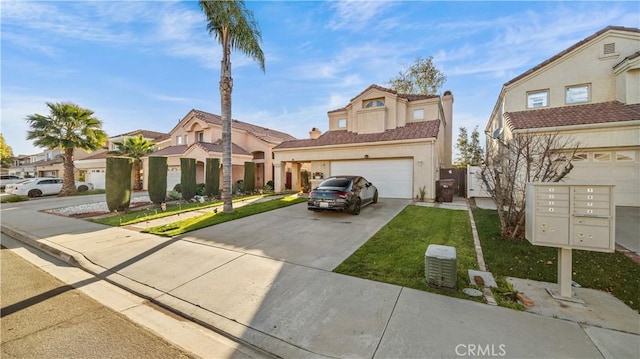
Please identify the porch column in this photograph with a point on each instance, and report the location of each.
(296, 184)
(278, 183)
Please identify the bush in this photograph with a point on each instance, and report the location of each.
(118, 183)
(13, 198)
(174, 195)
(200, 189)
(177, 188)
(249, 176)
(157, 179)
(212, 177)
(188, 178)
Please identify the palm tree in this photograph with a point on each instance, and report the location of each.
(234, 27)
(67, 127)
(135, 147)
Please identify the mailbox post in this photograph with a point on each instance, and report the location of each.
(568, 216)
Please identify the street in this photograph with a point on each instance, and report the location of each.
(43, 317)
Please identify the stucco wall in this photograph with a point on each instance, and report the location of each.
(587, 65)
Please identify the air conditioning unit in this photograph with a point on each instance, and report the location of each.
(440, 266)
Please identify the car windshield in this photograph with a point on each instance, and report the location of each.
(335, 182)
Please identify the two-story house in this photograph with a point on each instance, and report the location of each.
(47, 163)
(199, 135)
(398, 142)
(589, 92)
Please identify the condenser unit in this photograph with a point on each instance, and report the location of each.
(440, 266)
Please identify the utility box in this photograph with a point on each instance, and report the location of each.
(444, 190)
(571, 216)
(440, 266)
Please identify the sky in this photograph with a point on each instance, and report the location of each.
(146, 64)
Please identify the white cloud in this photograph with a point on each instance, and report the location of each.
(356, 15)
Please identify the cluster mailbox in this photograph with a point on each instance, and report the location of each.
(571, 216)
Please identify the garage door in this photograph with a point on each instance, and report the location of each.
(97, 178)
(173, 177)
(620, 168)
(393, 178)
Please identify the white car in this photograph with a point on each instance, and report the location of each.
(36, 187)
(9, 179)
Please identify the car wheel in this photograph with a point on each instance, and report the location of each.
(82, 188)
(375, 197)
(356, 207)
(34, 193)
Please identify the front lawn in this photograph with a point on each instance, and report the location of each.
(124, 219)
(610, 272)
(210, 219)
(396, 253)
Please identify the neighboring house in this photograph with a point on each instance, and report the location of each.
(92, 168)
(198, 135)
(44, 164)
(591, 92)
(396, 141)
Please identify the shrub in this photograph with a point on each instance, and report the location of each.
(157, 179)
(13, 198)
(212, 177)
(177, 188)
(188, 178)
(118, 183)
(200, 189)
(249, 176)
(174, 195)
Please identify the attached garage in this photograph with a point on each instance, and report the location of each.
(392, 177)
(96, 177)
(620, 168)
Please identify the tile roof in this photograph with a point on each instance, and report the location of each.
(155, 136)
(413, 130)
(100, 154)
(604, 112)
(263, 133)
(207, 146)
(570, 49)
(408, 97)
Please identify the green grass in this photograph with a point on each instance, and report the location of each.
(211, 219)
(610, 272)
(396, 253)
(124, 219)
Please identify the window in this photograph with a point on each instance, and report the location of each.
(579, 157)
(186, 140)
(418, 114)
(577, 94)
(200, 136)
(538, 99)
(623, 156)
(374, 103)
(178, 140)
(602, 156)
(342, 123)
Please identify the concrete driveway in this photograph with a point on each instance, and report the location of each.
(296, 235)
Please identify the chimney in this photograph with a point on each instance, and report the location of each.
(314, 133)
(447, 104)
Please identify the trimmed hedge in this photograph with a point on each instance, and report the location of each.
(118, 183)
(212, 177)
(188, 178)
(249, 176)
(158, 179)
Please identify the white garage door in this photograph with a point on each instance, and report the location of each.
(173, 177)
(393, 178)
(96, 177)
(620, 168)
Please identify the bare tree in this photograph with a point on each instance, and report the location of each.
(527, 157)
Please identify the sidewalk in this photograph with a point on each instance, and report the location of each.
(296, 310)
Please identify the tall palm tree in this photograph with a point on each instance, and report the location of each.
(135, 147)
(67, 127)
(234, 27)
